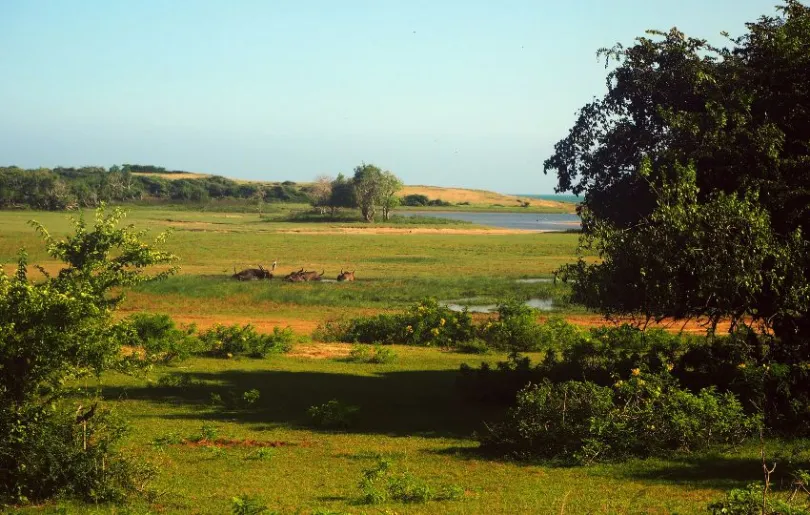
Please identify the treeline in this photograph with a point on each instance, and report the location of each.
(68, 188)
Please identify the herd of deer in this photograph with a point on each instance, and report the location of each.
(255, 274)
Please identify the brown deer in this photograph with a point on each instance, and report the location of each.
(345, 276)
(252, 274)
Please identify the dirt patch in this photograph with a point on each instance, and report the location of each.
(671, 325)
(225, 443)
(263, 325)
(321, 350)
(403, 230)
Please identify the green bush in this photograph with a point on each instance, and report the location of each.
(333, 414)
(515, 330)
(229, 341)
(749, 501)
(376, 354)
(425, 324)
(646, 415)
(381, 484)
(160, 338)
(53, 332)
(476, 346)
(52, 455)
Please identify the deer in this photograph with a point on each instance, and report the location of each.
(346, 276)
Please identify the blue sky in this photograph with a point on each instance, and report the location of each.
(444, 92)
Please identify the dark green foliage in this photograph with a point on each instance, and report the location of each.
(646, 415)
(760, 376)
(229, 341)
(754, 500)
(415, 200)
(160, 338)
(695, 171)
(516, 329)
(59, 330)
(53, 455)
(63, 188)
(333, 415)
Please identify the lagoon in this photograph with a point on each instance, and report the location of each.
(525, 221)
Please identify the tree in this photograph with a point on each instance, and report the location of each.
(342, 195)
(389, 185)
(321, 192)
(367, 182)
(695, 170)
(56, 331)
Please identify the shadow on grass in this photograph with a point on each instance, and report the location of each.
(717, 471)
(398, 403)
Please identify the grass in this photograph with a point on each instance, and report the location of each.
(393, 269)
(408, 410)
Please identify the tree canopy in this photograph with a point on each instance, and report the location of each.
(695, 170)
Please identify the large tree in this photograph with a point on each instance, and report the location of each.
(321, 192)
(695, 170)
(389, 186)
(367, 183)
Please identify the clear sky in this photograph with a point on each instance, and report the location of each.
(443, 92)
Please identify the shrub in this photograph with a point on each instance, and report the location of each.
(499, 384)
(380, 484)
(475, 346)
(230, 341)
(161, 340)
(55, 331)
(515, 330)
(333, 414)
(605, 353)
(376, 354)
(55, 456)
(551, 420)
(247, 505)
(753, 500)
(426, 324)
(646, 415)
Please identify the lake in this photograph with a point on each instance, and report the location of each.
(526, 221)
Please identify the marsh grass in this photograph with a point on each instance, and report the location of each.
(380, 293)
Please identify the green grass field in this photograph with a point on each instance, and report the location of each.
(409, 410)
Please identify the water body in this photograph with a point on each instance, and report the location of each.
(526, 221)
(471, 306)
(553, 196)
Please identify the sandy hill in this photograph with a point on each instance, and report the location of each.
(482, 197)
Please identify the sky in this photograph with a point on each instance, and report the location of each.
(466, 93)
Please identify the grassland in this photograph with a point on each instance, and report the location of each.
(409, 410)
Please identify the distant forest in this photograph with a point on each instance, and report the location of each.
(69, 188)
